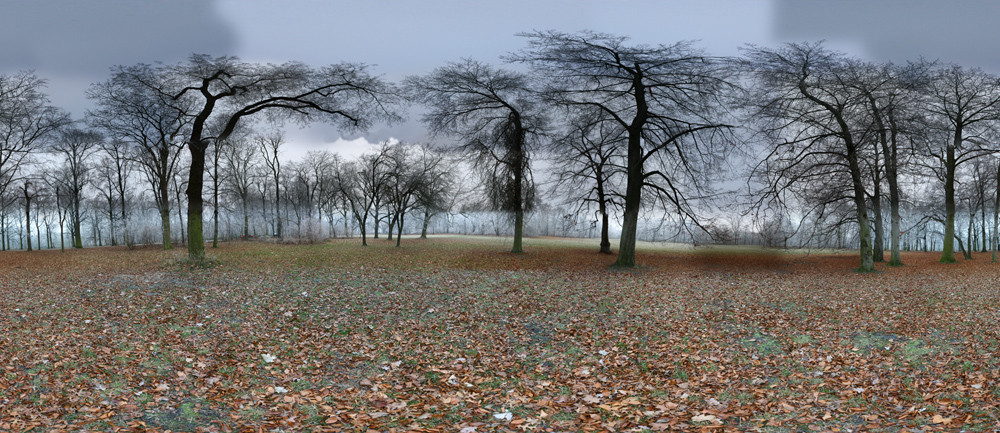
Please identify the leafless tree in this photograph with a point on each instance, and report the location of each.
(590, 164)
(269, 146)
(74, 147)
(667, 98)
(962, 105)
(804, 103)
(130, 110)
(497, 117)
(239, 174)
(214, 94)
(27, 121)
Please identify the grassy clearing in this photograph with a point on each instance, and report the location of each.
(454, 332)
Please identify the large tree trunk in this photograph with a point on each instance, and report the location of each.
(894, 219)
(196, 240)
(948, 248)
(246, 221)
(864, 233)
(878, 253)
(27, 217)
(634, 177)
(518, 246)
(427, 222)
(77, 233)
(399, 233)
(633, 194)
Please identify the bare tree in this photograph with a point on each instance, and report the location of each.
(215, 93)
(498, 118)
(269, 145)
(666, 98)
(74, 146)
(962, 105)
(589, 153)
(411, 169)
(891, 95)
(117, 171)
(130, 110)
(239, 174)
(361, 183)
(27, 121)
(804, 102)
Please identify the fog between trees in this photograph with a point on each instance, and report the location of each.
(576, 134)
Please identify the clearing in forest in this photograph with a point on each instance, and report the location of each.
(454, 334)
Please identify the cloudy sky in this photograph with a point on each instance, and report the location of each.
(72, 43)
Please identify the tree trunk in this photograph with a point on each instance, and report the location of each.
(77, 233)
(982, 209)
(633, 195)
(948, 248)
(961, 246)
(27, 216)
(215, 199)
(246, 221)
(864, 233)
(164, 200)
(967, 253)
(399, 233)
(196, 240)
(427, 222)
(878, 253)
(996, 218)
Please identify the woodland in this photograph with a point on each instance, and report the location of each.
(601, 236)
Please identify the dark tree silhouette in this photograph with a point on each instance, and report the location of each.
(667, 99)
(215, 94)
(498, 118)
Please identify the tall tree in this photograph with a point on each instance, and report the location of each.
(238, 175)
(962, 105)
(117, 172)
(130, 109)
(589, 153)
(269, 146)
(498, 118)
(27, 121)
(223, 91)
(74, 147)
(891, 95)
(804, 101)
(668, 100)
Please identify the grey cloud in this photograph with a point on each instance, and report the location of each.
(963, 32)
(75, 38)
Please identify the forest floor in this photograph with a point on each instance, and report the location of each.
(454, 334)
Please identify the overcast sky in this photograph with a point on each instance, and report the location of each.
(72, 43)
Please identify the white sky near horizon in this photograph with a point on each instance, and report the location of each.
(72, 43)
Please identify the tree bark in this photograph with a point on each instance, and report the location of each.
(27, 216)
(196, 241)
(948, 247)
(878, 252)
(427, 222)
(399, 233)
(634, 176)
(633, 194)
